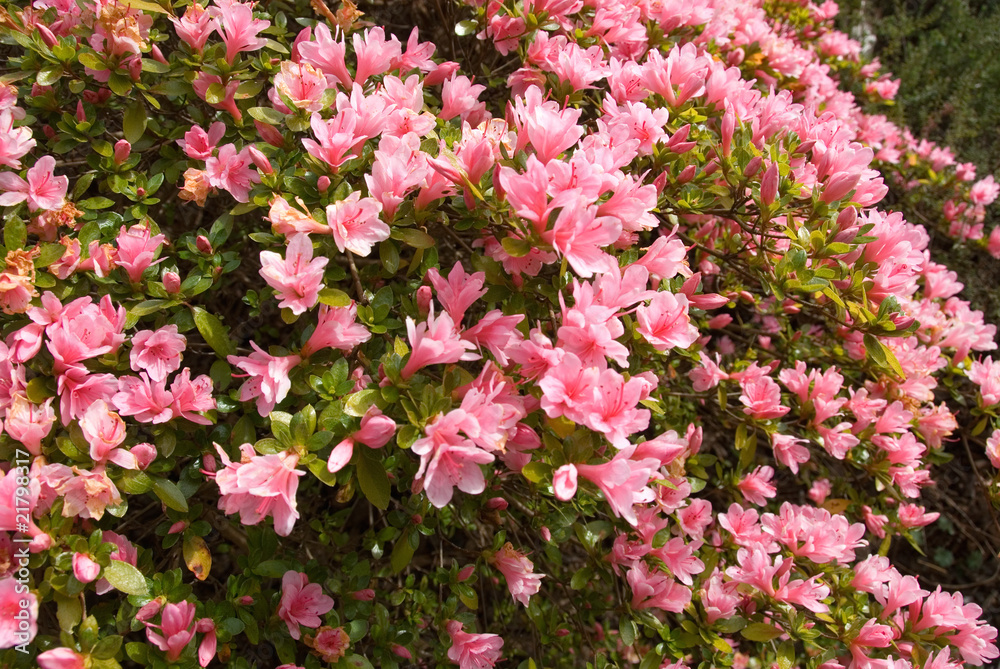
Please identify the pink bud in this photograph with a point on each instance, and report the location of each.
(157, 55)
(150, 609)
(546, 534)
(752, 166)
(401, 652)
(417, 518)
(122, 151)
(323, 183)
(81, 115)
(48, 131)
(172, 282)
(466, 572)
(179, 526)
(365, 595)
(84, 568)
(144, 454)
(660, 182)
(269, 134)
(424, 300)
(769, 185)
(687, 174)
(203, 244)
(205, 625)
(711, 168)
(208, 463)
(261, 161)
(728, 128)
(135, 69)
(562, 632)
(564, 482)
(47, 35)
(497, 503)
(736, 57)
(246, 600)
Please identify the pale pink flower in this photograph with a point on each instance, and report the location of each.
(459, 291)
(665, 322)
(84, 568)
(238, 28)
(564, 482)
(335, 138)
(298, 277)
(762, 397)
(472, 651)
(375, 54)
(259, 486)
(336, 328)
(29, 423)
(232, 171)
(286, 220)
(42, 190)
(11, 598)
(623, 481)
(149, 402)
(194, 27)
(330, 642)
(655, 589)
(756, 486)
(61, 658)
(191, 396)
(355, 224)
(158, 353)
(460, 97)
(789, 450)
(518, 572)
(302, 602)
(88, 494)
(269, 381)
(327, 54)
(136, 250)
(176, 629)
(104, 430)
(301, 84)
(447, 459)
(435, 342)
(375, 432)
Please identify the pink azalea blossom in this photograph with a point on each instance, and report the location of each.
(336, 328)
(756, 486)
(472, 651)
(61, 658)
(238, 28)
(158, 353)
(459, 291)
(665, 323)
(259, 486)
(302, 602)
(194, 27)
(435, 342)
(331, 643)
(176, 629)
(11, 596)
(518, 571)
(298, 277)
(29, 423)
(269, 382)
(42, 190)
(449, 459)
(88, 494)
(232, 171)
(355, 224)
(104, 430)
(149, 401)
(136, 250)
(124, 551)
(84, 568)
(191, 396)
(762, 398)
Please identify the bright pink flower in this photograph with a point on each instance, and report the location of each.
(375, 432)
(301, 84)
(518, 572)
(579, 235)
(104, 430)
(435, 342)
(158, 353)
(400, 166)
(149, 402)
(549, 129)
(83, 330)
(460, 97)
(623, 481)
(984, 191)
(269, 381)
(665, 322)
(194, 27)
(238, 28)
(564, 482)
(655, 589)
(42, 190)
(11, 598)
(191, 396)
(472, 651)
(232, 171)
(298, 277)
(355, 224)
(176, 629)
(336, 328)
(61, 658)
(447, 459)
(459, 292)
(327, 54)
(84, 568)
(789, 450)
(29, 423)
(302, 602)
(286, 220)
(259, 486)
(136, 250)
(336, 138)
(756, 486)
(613, 407)
(375, 54)
(203, 81)
(762, 398)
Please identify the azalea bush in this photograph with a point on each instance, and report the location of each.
(577, 339)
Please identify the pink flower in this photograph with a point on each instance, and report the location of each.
(149, 402)
(158, 353)
(194, 27)
(655, 589)
(336, 137)
(472, 651)
(374, 53)
(238, 28)
(191, 396)
(260, 486)
(327, 54)
(42, 190)
(29, 423)
(518, 571)
(12, 599)
(623, 481)
(269, 381)
(302, 602)
(336, 328)
(984, 191)
(789, 450)
(301, 84)
(232, 171)
(84, 568)
(176, 629)
(331, 643)
(297, 278)
(104, 430)
(447, 459)
(88, 494)
(202, 82)
(756, 486)
(355, 224)
(665, 323)
(136, 250)
(61, 658)
(459, 292)
(460, 97)
(564, 482)
(762, 397)
(124, 551)
(435, 342)
(286, 220)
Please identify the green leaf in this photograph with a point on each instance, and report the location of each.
(467, 27)
(107, 647)
(49, 254)
(760, 632)
(628, 630)
(134, 123)
(786, 655)
(516, 247)
(149, 307)
(49, 75)
(267, 115)
(170, 494)
(15, 233)
(119, 83)
(126, 578)
(356, 404)
(271, 569)
(89, 59)
(334, 298)
(882, 355)
(402, 552)
(215, 94)
(372, 478)
(581, 578)
(215, 333)
(69, 611)
(418, 239)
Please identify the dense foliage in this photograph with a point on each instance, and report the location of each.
(320, 351)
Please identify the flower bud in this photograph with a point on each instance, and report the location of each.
(246, 600)
(260, 160)
(496, 504)
(48, 131)
(269, 134)
(179, 526)
(144, 454)
(122, 150)
(546, 534)
(172, 282)
(47, 35)
(424, 300)
(204, 245)
(466, 572)
(158, 55)
(769, 185)
(323, 183)
(400, 651)
(753, 166)
(84, 568)
(81, 114)
(150, 609)
(728, 129)
(365, 595)
(687, 174)
(135, 69)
